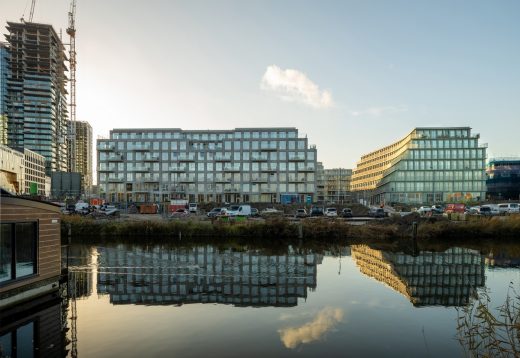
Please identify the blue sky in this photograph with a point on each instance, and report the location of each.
(364, 73)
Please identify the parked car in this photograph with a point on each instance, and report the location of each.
(424, 210)
(301, 213)
(179, 213)
(346, 213)
(508, 208)
(376, 213)
(474, 210)
(489, 210)
(192, 207)
(485, 211)
(213, 212)
(270, 212)
(254, 212)
(331, 212)
(437, 209)
(316, 211)
(455, 208)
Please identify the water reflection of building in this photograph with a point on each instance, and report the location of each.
(502, 259)
(78, 258)
(204, 275)
(33, 329)
(431, 278)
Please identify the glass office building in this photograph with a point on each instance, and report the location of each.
(240, 165)
(429, 165)
(37, 105)
(503, 179)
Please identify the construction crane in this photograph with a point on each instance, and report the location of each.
(31, 14)
(71, 31)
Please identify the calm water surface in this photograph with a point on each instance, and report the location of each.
(358, 301)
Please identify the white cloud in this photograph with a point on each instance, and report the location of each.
(378, 111)
(294, 86)
(324, 321)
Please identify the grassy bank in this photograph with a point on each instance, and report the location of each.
(279, 230)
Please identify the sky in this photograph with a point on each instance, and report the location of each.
(352, 76)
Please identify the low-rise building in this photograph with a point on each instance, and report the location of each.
(12, 171)
(337, 185)
(503, 179)
(429, 165)
(34, 173)
(240, 165)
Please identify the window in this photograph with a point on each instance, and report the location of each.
(18, 248)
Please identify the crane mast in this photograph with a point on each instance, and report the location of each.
(33, 3)
(71, 31)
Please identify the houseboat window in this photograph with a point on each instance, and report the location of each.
(17, 250)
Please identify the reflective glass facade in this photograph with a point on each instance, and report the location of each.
(503, 179)
(240, 165)
(430, 165)
(37, 106)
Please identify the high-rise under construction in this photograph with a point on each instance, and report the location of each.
(37, 104)
(84, 154)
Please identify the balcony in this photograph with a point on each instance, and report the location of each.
(232, 169)
(186, 158)
(268, 148)
(115, 158)
(177, 188)
(296, 158)
(260, 179)
(296, 180)
(151, 158)
(223, 180)
(116, 180)
(140, 148)
(259, 158)
(177, 169)
(269, 170)
(104, 147)
(232, 190)
(106, 170)
(222, 158)
(147, 179)
(186, 179)
(307, 170)
(141, 169)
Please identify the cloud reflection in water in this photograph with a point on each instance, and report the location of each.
(324, 321)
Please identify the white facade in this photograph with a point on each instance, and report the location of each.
(34, 172)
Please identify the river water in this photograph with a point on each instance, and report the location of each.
(356, 301)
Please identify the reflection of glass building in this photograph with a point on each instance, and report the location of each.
(204, 275)
(503, 179)
(446, 278)
(429, 165)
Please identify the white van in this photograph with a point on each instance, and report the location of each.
(240, 210)
(509, 208)
(192, 207)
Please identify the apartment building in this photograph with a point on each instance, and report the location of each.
(4, 71)
(238, 165)
(337, 185)
(503, 178)
(429, 165)
(34, 173)
(37, 104)
(12, 172)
